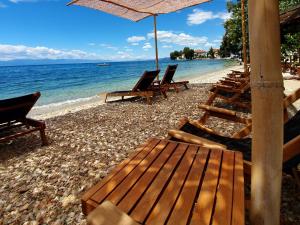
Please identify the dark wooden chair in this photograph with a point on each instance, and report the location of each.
(168, 82)
(143, 88)
(13, 114)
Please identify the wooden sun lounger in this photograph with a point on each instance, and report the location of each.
(234, 95)
(190, 132)
(143, 88)
(166, 182)
(13, 120)
(168, 82)
(234, 117)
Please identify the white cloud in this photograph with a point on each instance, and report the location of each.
(11, 52)
(134, 40)
(182, 39)
(167, 46)
(217, 41)
(147, 46)
(91, 44)
(199, 16)
(108, 46)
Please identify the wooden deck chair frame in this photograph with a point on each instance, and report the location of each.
(234, 117)
(168, 82)
(141, 89)
(13, 114)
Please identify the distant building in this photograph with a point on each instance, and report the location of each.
(198, 53)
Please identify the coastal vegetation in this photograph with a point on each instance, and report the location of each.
(190, 54)
(232, 39)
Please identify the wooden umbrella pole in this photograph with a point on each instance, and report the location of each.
(267, 111)
(244, 38)
(156, 48)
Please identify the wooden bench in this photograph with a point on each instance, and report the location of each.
(167, 182)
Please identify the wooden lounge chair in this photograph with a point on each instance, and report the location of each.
(143, 88)
(234, 117)
(13, 114)
(167, 81)
(237, 95)
(291, 151)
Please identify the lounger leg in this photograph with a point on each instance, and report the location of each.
(186, 87)
(43, 137)
(105, 98)
(122, 98)
(163, 92)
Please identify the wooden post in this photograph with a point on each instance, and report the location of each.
(244, 34)
(156, 48)
(267, 111)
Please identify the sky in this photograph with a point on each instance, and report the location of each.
(48, 29)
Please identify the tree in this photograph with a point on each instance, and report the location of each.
(232, 39)
(175, 54)
(188, 53)
(211, 53)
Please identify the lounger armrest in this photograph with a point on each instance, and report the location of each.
(218, 110)
(190, 138)
(224, 114)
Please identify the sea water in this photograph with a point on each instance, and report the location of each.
(63, 83)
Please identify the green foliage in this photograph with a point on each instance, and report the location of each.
(290, 43)
(175, 54)
(211, 53)
(188, 53)
(287, 4)
(232, 39)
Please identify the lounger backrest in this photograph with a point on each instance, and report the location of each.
(146, 80)
(17, 108)
(169, 74)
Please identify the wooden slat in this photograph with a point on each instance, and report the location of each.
(148, 200)
(205, 203)
(166, 202)
(123, 172)
(186, 200)
(129, 201)
(238, 208)
(223, 207)
(119, 192)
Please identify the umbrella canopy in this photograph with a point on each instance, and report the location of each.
(136, 10)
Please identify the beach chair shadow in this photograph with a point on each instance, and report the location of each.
(13, 118)
(143, 88)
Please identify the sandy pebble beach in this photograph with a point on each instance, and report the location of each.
(43, 185)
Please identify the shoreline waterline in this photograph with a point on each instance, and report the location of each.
(72, 106)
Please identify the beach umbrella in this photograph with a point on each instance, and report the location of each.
(137, 10)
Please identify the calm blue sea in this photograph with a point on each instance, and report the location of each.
(67, 82)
